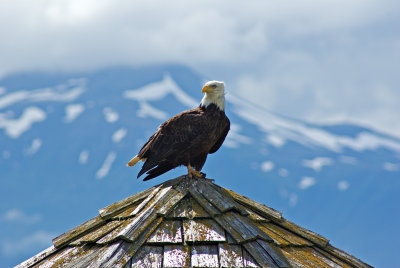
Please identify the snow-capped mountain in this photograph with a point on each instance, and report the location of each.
(65, 140)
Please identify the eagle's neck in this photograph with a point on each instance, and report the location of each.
(211, 98)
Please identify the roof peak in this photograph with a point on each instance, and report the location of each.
(192, 219)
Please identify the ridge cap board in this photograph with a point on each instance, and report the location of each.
(208, 207)
(78, 231)
(122, 204)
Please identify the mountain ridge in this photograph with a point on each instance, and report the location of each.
(73, 159)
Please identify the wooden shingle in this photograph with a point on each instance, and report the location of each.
(230, 255)
(176, 256)
(202, 230)
(167, 232)
(148, 256)
(188, 208)
(205, 256)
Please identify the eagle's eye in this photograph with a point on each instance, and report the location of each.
(213, 85)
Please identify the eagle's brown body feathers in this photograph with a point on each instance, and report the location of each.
(185, 139)
(188, 137)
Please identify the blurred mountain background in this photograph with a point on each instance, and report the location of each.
(312, 94)
(66, 139)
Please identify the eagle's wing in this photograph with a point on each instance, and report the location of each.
(221, 139)
(175, 135)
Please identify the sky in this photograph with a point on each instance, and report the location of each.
(320, 61)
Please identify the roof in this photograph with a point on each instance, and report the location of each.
(190, 222)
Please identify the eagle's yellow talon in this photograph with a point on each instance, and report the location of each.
(192, 172)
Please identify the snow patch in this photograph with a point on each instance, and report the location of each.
(275, 140)
(343, 185)
(110, 115)
(234, 138)
(119, 135)
(15, 127)
(61, 93)
(35, 146)
(158, 90)
(146, 110)
(368, 141)
(317, 163)
(72, 111)
(267, 166)
(306, 182)
(391, 167)
(311, 136)
(83, 157)
(105, 168)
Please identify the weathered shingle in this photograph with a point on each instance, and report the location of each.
(205, 256)
(167, 232)
(148, 256)
(190, 222)
(202, 230)
(230, 255)
(188, 208)
(176, 256)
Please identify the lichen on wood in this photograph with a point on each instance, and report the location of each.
(176, 256)
(200, 230)
(167, 232)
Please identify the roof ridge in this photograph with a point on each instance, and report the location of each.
(258, 207)
(115, 236)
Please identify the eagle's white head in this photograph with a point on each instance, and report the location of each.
(214, 93)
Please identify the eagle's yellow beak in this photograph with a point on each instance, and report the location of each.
(206, 89)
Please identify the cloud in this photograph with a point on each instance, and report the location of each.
(325, 61)
(27, 244)
(62, 33)
(344, 76)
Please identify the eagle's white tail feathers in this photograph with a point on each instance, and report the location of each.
(134, 161)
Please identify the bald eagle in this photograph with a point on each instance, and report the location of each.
(187, 138)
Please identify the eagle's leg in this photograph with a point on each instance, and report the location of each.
(192, 171)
